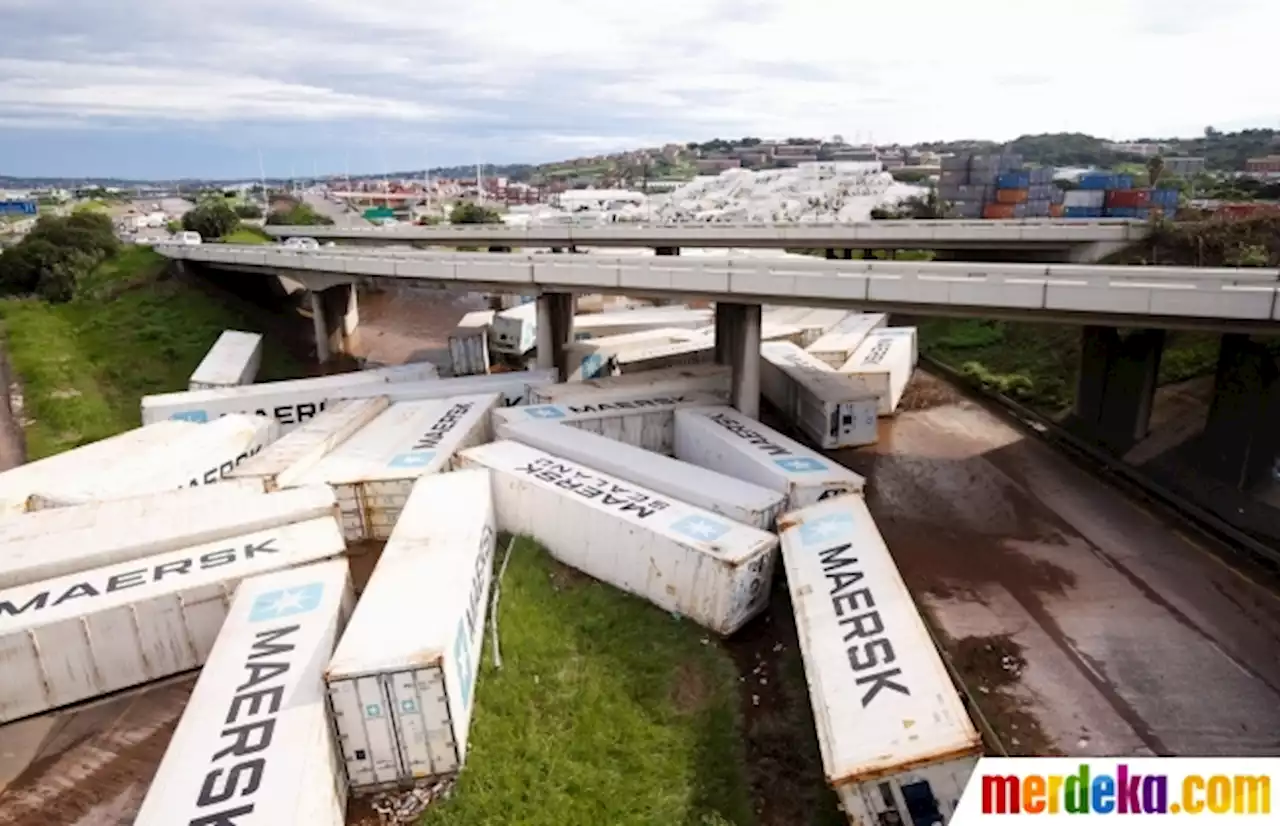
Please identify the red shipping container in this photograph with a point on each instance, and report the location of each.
(1055, 210)
(998, 212)
(1128, 198)
(1011, 196)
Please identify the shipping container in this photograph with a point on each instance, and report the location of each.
(1037, 209)
(515, 331)
(724, 440)
(896, 743)
(1124, 212)
(1011, 196)
(402, 681)
(682, 559)
(645, 422)
(700, 350)
(207, 455)
(836, 346)
(288, 458)
(1085, 198)
(374, 470)
(732, 498)
(965, 209)
(93, 461)
(621, 322)
(514, 387)
(1097, 181)
(999, 212)
(1055, 211)
(469, 344)
(53, 543)
(885, 362)
(816, 323)
(1042, 175)
(1081, 212)
(233, 360)
(1128, 198)
(833, 409)
(703, 378)
(290, 403)
(226, 490)
(1013, 180)
(594, 358)
(86, 634)
(254, 746)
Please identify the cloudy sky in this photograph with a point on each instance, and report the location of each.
(138, 88)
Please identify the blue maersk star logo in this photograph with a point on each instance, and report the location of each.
(800, 464)
(419, 458)
(287, 602)
(824, 529)
(191, 416)
(700, 528)
(544, 412)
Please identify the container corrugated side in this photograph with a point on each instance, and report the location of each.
(207, 455)
(373, 471)
(681, 558)
(594, 357)
(702, 378)
(469, 351)
(724, 440)
(699, 350)
(619, 322)
(226, 490)
(91, 633)
(233, 360)
(646, 423)
(291, 456)
(816, 323)
(63, 541)
(402, 681)
(727, 496)
(90, 462)
(514, 387)
(910, 333)
(290, 403)
(883, 701)
(254, 746)
(833, 409)
(515, 331)
(839, 343)
(885, 362)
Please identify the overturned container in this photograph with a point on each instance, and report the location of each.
(838, 344)
(402, 681)
(646, 423)
(833, 409)
(233, 360)
(681, 558)
(254, 746)
(469, 344)
(595, 358)
(885, 362)
(673, 381)
(514, 387)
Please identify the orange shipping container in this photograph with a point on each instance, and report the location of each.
(999, 212)
(1055, 210)
(1011, 196)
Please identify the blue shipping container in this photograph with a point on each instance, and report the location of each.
(1081, 212)
(1122, 182)
(1129, 212)
(1096, 181)
(1165, 197)
(18, 208)
(1014, 180)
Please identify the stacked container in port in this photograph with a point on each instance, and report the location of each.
(998, 187)
(1107, 195)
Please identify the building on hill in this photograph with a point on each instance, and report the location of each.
(1264, 167)
(1184, 167)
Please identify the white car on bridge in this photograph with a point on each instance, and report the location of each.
(302, 243)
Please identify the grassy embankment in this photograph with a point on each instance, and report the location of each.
(247, 235)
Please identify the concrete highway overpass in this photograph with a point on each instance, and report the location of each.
(1069, 240)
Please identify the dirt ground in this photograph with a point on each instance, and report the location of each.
(12, 448)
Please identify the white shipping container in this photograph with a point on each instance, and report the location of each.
(233, 360)
(724, 440)
(725, 495)
(254, 746)
(893, 732)
(288, 458)
(373, 471)
(619, 322)
(646, 423)
(817, 322)
(1095, 198)
(833, 409)
(836, 346)
(884, 362)
(290, 403)
(86, 634)
(93, 461)
(226, 490)
(207, 455)
(909, 332)
(703, 378)
(700, 350)
(402, 680)
(62, 541)
(681, 558)
(515, 388)
(595, 357)
(469, 344)
(515, 331)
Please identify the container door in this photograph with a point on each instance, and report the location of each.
(422, 717)
(367, 728)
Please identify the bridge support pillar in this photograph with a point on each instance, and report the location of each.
(335, 319)
(1117, 384)
(555, 331)
(738, 345)
(1242, 435)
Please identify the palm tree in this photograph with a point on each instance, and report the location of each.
(1155, 168)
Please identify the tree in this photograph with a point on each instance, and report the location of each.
(297, 215)
(247, 210)
(212, 219)
(1155, 167)
(468, 213)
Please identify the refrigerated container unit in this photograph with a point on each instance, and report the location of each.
(839, 343)
(233, 360)
(815, 324)
(373, 471)
(644, 422)
(286, 459)
(401, 683)
(834, 410)
(290, 402)
(621, 322)
(702, 378)
(680, 558)
(515, 331)
(254, 746)
(723, 440)
(893, 733)
(595, 358)
(86, 634)
(513, 387)
(732, 498)
(469, 344)
(885, 363)
(700, 350)
(226, 489)
(62, 541)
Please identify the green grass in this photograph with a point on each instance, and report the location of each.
(605, 711)
(247, 235)
(85, 365)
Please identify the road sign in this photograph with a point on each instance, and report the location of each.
(18, 208)
(378, 212)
